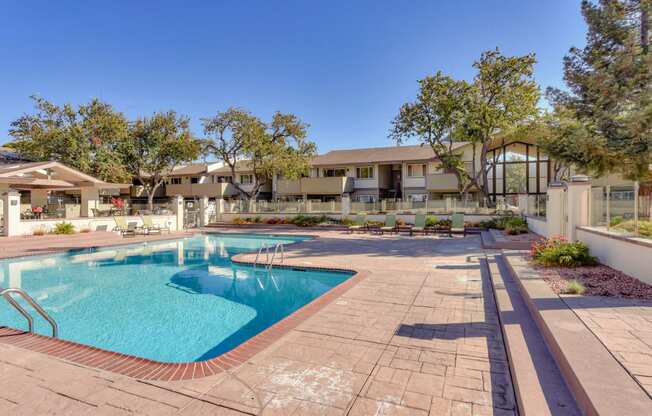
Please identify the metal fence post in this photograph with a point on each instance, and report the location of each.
(636, 188)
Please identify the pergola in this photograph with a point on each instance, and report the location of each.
(41, 178)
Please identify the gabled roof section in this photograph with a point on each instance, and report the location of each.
(392, 154)
(49, 174)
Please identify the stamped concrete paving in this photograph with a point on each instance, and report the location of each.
(624, 326)
(418, 336)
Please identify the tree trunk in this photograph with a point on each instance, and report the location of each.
(645, 25)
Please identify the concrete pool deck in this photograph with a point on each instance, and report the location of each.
(419, 335)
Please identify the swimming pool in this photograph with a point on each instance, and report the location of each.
(175, 301)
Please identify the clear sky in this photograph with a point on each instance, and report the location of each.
(344, 67)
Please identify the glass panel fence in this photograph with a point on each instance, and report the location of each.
(623, 209)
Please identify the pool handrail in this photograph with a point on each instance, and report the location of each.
(271, 263)
(6, 293)
(260, 250)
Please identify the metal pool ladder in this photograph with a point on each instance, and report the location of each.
(269, 262)
(279, 245)
(6, 293)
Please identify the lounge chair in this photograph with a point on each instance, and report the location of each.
(390, 224)
(419, 225)
(359, 224)
(123, 228)
(457, 225)
(150, 227)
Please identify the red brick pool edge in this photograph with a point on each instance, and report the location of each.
(146, 369)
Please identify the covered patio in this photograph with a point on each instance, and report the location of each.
(37, 195)
(54, 190)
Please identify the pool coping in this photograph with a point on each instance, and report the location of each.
(147, 369)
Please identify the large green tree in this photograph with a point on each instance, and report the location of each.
(502, 96)
(85, 137)
(279, 147)
(610, 88)
(155, 146)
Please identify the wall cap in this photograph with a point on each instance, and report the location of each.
(610, 234)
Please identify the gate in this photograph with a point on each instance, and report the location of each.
(191, 213)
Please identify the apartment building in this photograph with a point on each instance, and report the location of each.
(414, 173)
(370, 174)
(214, 180)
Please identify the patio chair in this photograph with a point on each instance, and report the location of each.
(359, 224)
(457, 225)
(390, 224)
(419, 224)
(122, 227)
(150, 227)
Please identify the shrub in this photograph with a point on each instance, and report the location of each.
(515, 229)
(575, 287)
(307, 221)
(63, 228)
(347, 221)
(258, 220)
(432, 221)
(274, 221)
(239, 221)
(559, 252)
(515, 225)
(629, 226)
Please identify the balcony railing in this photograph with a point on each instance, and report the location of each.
(441, 182)
(201, 189)
(315, 186)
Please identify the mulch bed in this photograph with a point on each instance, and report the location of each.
(599, 280)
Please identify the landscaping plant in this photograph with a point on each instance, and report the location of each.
(575, 287)
(558, 251)
(63, 228)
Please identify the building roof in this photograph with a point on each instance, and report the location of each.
(392, 154)
(49, 175)
(209, 168)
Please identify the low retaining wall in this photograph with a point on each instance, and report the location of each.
(629, 255)
(599, 384)
(27, 227)
(538, 225)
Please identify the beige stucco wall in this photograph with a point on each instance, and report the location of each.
(627, 256)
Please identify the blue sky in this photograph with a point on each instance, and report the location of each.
(344, 67)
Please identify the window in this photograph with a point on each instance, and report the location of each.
(366, 198)
(194, 179)
(334, 172)
(175, 181)
(365, 172)
(417, 197)
(223, 179)
(416, 171)
(246, 179)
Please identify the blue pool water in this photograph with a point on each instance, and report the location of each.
(179, 300)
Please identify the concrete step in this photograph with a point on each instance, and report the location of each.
(539, 385)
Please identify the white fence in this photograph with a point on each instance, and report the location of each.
(440, 206)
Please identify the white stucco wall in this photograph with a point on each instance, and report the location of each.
(27, 227)
(538, 225)
(627, 255)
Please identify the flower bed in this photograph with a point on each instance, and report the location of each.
(597, 280)
(568, 267)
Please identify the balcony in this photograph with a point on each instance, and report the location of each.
(315, 186)
(441, 182)
(326, 186)
(288, 187)
(189, 190)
